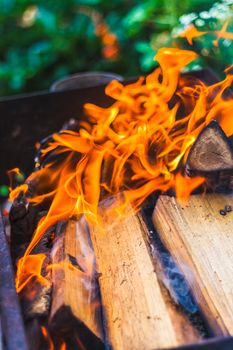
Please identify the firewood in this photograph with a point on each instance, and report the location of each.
(75, 297)
(211, 151)
(199, 236)
(35, 337)
(23, 223)
(137, 314)
(35, 297)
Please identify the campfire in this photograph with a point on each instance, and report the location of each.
(121, 236)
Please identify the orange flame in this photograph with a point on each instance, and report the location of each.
(27, 267)
(181, 184)
(191, 32)
(47, 337)
(223, 34)
(137, 145)
(20, 189)
(12, 174)
(63, 346)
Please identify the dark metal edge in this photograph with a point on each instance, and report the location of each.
(11, 319)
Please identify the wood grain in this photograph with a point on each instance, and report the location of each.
(201, 241)
(211, 151)
(137, 314)
(74, 282)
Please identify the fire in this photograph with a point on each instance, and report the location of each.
(12, 175)
(27, 268)
(137, 145)
(191, 32)
(182, 183)
(48, 338)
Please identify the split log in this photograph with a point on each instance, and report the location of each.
(201, 242)
(137, 314)
(211, 151)
(75, 298)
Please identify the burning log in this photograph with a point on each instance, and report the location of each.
(35, 337)
(35, 299)
(200, 240)
(212, 156)
(23, 222)
(137, 314)
(75, 296)
(211, 151)
(35, 296)
(137, 145)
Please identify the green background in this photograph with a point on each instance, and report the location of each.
(46, 40)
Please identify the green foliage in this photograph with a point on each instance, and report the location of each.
(219, 56)
(45, 40)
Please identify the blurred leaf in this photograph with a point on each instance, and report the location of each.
(45, 40)
(46, 18)
(88, 2)
(147, 61)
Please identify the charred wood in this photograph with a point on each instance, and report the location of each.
(66, 328)
(35, 337)
(23, 223)
(35, 297)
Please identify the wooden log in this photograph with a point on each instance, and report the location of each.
(137, 314)
(75, 298)
(23, 223)
(211, 156)
(35, 337)
(35, 296)
(201, 241)
(211, 152)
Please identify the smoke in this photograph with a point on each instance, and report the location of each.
(175, 282)
(169, 273)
